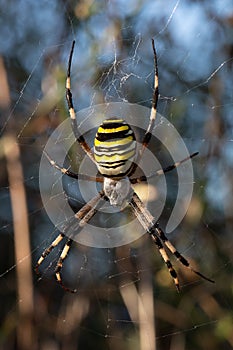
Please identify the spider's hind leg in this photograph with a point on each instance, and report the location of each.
(162, 171)
(79, 137)
(153, 112)
(68, 172)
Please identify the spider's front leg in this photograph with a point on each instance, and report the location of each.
(160, 239)
(147, 221)
(83, 216)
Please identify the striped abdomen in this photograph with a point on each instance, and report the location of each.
(114, 148)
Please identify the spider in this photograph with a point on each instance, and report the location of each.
(116, 159)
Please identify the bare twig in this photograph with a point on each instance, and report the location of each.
(22, 244)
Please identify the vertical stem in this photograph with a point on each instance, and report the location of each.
(146, 315)
(22, 244)
(140, 304)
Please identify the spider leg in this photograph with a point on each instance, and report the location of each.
(159, 238)
(163, 170)
(155, 97)
(179, 256)
(176, 165)
(144, 217)
(79, 137)
(59, 265)
(83, 215)
(48, 250)
(153, 111)
(70, 173)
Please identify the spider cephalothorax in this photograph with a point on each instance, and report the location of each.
(119, 192)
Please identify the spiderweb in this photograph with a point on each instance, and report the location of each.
(126, 298)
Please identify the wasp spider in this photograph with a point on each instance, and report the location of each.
(116, 160)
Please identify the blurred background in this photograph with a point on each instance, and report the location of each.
(126, 298)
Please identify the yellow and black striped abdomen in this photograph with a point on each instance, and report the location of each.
(114, 148)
